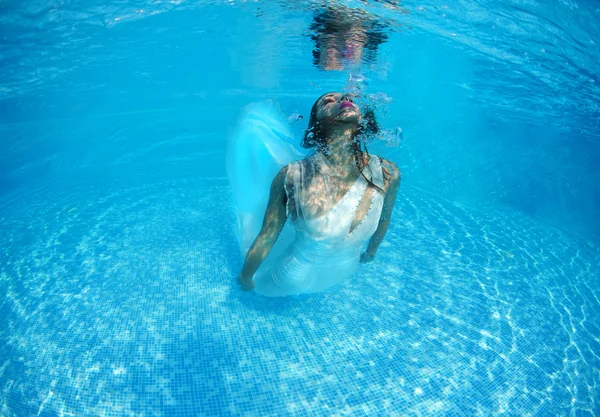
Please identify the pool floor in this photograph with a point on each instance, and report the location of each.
(117, 298)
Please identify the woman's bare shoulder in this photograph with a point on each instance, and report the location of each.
(390, 170)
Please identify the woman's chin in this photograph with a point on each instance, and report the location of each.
(349, 117)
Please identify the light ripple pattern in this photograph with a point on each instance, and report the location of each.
(118, 298)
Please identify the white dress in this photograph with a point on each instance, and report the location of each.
(320, 250)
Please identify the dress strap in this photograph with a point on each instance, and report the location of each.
(376, 171)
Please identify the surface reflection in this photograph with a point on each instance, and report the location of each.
(345, 37)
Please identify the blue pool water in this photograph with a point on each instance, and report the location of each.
(117, 250)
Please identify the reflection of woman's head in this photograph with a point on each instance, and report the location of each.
(343, 35)
(334, 111)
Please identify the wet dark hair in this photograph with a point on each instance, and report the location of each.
(314, 136)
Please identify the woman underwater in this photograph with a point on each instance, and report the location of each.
(337, 198)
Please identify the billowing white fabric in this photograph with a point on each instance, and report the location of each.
(320, 250)
(259, 146)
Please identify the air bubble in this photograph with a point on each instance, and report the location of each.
(295, 117)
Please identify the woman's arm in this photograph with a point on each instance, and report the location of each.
(392, 182)
(273, 222)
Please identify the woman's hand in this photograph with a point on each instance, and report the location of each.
(245, 284)
(366, 257)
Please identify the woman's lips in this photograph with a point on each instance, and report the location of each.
(346, 104)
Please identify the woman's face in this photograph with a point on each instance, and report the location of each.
(336, 107)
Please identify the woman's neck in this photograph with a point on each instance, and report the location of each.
(342, 152)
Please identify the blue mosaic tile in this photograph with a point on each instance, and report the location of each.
(128, 307)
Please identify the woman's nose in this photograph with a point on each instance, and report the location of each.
(346, 98)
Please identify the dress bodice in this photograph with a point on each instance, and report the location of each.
(325, 251)
(333, 226)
